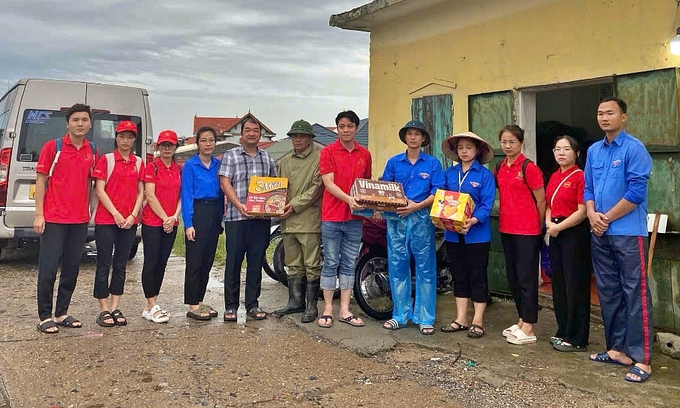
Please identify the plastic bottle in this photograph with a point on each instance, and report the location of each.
(241, 314)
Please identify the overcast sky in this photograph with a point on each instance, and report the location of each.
(280, 59)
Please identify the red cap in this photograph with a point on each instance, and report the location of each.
(126, 126)
(167, 136)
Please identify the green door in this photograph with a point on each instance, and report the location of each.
(436, 112)
(487, 114)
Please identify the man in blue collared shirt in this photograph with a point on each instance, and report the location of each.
(616, 175)
(412, 235)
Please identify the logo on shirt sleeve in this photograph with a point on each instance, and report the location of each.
(424, 176)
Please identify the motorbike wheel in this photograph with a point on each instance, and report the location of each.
(268, 261)
(282, 270)
(372, 285)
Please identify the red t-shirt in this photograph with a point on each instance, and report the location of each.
(67, 197)
(569, 195)
(168, 181)
(518, 212)
(121, 187)
(346, 167)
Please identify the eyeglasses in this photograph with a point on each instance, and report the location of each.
(166, 146)
(562, 150)
(509, 142)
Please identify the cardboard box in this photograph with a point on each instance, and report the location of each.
(267, 196)
(379, 195)
(387, 215)
(450, 209)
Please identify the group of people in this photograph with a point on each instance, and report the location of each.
(599, 209)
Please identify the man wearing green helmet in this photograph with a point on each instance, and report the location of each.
(301, 223)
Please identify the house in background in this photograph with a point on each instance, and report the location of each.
(229, 129)
(284, 147)
(326, 135)
(481, 65)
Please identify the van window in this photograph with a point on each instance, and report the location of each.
(39, 126)
(5, 107)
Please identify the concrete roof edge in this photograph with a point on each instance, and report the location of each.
(352, 20)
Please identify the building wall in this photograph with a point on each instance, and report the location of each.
(491, 45)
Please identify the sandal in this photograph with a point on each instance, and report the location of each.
(605, 358)
(117, 316)
(257, 313)
(555, 340)
(567, 347)
(510, 330)
(451, 329)
(43, 327)
(635, 370)
(230, 312)
(476, 332)
(520, 338)
(213, 312)
(352, 321)
(103, 316)
(326, 319)
(392, 324)
(156, 315)
(70, 322)
(198, 313)
(426, 329)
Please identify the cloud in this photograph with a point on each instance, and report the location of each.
(278, 59)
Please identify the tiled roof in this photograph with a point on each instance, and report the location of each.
(325, 136)
(221, 125)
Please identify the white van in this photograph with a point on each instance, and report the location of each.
(32, 112)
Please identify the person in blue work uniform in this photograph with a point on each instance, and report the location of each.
(412, 234)
(202, 212)
(468, 251)
(616, 175)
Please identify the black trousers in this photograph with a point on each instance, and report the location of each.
(200, 253)
(570, 263)
(468, 263)
(157, 249)
(249, 239)
(60, 245)
(107, 238)
(521, 267)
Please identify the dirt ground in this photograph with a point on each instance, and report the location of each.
(281, 362)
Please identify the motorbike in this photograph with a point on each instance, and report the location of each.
(274, 242)
(371, 284)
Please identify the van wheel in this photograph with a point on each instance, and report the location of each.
(133, 251)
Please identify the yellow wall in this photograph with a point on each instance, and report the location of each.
(486, 46)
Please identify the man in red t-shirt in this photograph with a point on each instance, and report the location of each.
(340, 163)
(61, 216)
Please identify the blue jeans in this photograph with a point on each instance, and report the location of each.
(341, 242)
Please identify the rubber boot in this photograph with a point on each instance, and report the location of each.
(296, 297)
(312, 312)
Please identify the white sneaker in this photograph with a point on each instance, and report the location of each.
(154, 316)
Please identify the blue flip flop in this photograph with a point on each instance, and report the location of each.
(635, 370)
(604, 358)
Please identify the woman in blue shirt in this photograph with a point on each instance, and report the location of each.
(468, 251)
(202, 211)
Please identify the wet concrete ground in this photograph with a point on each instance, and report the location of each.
(281, 362)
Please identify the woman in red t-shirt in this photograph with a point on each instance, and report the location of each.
(162, 181)
(120, 189)
(567, 225)
(521, 213)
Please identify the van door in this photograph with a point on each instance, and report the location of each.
(111, 104)
(40, 118)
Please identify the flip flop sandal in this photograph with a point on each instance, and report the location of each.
(257, 313)
(510, 330)
(392, 324)
(229, 312)
(604, 358)
(47, 325)
(426, 329)
(562, 346)
(520, 338)
(476, 332)
(450, 329)
(196, 314)
(117, 315)
(105, 316)
(213, 312)
(350, 320)
(70, 322)
(555, 340)
(635, 370)
(326, 319)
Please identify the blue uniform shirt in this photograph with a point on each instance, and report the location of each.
(617, 170)
(420, 180)
(198, 183)
(480, 184)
